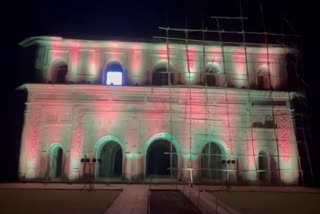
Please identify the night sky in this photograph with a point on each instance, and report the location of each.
(136, 20)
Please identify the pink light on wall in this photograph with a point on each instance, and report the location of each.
(56, 55)
(288, 153)
(252, 155)
(135, 62)
(30, 149)
(73, 61)
(239, 68)
(114, 54)
(283, 136)
(74, 55)
(191, 66)
(191, 57)
(115, 45)
(33, 156)
(162, 53)
(75, 153)
(288, 159)
(162, 50)
(55, 48)
(107, 118)
(93, 62)
(213, 55)
(262, 56)
(238, 57)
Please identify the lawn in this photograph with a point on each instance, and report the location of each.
(55, 201)
(271, 202)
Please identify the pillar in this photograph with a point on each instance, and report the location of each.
(191, 162)
(76, 146)
(133, 167)
(30, 155)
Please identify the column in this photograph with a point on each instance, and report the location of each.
(30, 155)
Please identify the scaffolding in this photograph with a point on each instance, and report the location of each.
(231, 161)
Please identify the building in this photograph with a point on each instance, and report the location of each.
(154, 110)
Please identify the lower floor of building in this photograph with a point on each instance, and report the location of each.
(162, 161)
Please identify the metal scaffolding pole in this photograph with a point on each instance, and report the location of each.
(272, 98)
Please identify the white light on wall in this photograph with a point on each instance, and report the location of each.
(114, 78)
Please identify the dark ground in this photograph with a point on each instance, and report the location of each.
(271, 202)
(171, 202)
(55, 201)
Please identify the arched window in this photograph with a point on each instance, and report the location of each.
(113, 74)
(59, 72)
(56, 157)
(210, 77)
(263, 80)
(160, 76)
(260, 82)
(211, 162)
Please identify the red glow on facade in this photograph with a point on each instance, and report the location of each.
(135, 62)
(93, 62)
(191, 58)
(239, 59)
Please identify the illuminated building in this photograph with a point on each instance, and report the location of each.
(223, 111)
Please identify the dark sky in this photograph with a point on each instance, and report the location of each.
(136, 19)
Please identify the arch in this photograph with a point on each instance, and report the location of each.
(110, 152)
(262, 78)
(202, 141)
(159, 144)
(159, 161)
(55, 160)
(58, 72)
(212, 156)
(113, 74)
(263, 166)
(164, 136)
(111, 156)
(161, 73)
(211, 73)
(104, 140)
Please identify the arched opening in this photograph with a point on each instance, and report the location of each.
(263, 81)
(59, 73)
(211, 162)
(160, 76)
(110, 160)
(263, 164)
(210, 77)
(260, 80)
(56, 156)
(161, 159)
(113, 74)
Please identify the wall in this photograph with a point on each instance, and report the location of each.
(80, 117)
(87, 61)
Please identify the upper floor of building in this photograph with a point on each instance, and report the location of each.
(72, 61)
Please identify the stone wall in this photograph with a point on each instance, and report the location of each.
(81, 118)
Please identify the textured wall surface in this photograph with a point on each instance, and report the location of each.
(83, 114)
(83, 117)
